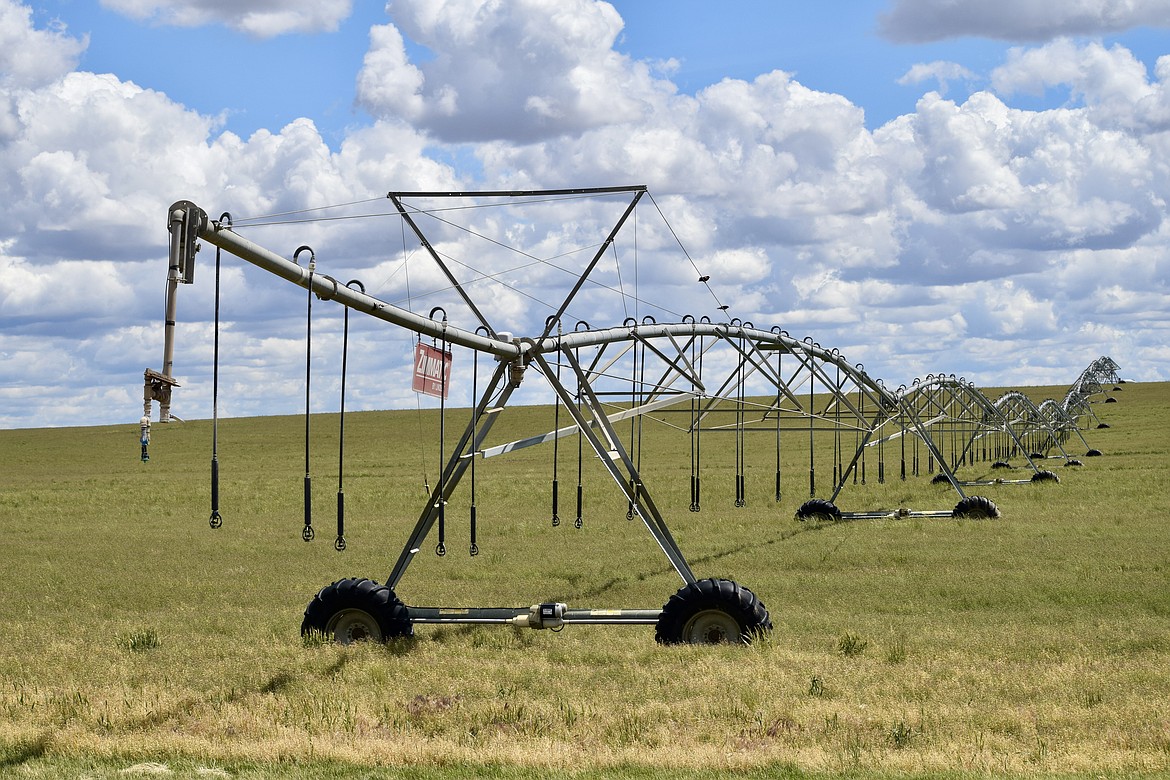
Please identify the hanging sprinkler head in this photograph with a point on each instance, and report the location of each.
(144, 437)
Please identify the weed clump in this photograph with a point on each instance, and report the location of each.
(850, 645)
(900, 734)
(896, 652)
(143, 641)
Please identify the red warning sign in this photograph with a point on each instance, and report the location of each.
(432, 370)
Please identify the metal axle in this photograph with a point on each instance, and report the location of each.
(551, 615)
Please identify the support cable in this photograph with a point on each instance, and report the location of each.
(902, 440)
(556, 517)
(307, 533)
(704, 279)
(857, 435)
(339, 543)
(780, 379)
(740, 442)
(915, 458)
(838, 466)
(418, 340)
(641, 400)
(812, 477)
(696, 425)
(634, 420)
(639, 389)
(216, 520)
(441, 547)
(473, 547)
(579, 522)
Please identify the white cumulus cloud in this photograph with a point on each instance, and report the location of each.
(918, 21)
(30, 57)
(260, 18)
(1111, 82)
(531, 68)
(959, 232)
(939, 71)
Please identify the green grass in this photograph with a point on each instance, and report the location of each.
(1033, 645)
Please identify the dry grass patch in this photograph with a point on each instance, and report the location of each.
(1033, 645)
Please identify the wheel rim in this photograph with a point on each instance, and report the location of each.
(711, 627)
(353, 625)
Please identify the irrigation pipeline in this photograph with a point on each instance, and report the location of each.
(818, 364)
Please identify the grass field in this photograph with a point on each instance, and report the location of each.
(138, 641)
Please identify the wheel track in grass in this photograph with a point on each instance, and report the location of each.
(614, 582)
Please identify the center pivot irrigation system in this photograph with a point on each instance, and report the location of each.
(704, 379)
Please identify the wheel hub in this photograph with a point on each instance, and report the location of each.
(354, 625)
(711, 627)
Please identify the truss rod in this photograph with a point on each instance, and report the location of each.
(551, 321)
(521, 193)
(442, 266)
(610, 452)
(328, 288)
(569, 430)
(474, 435)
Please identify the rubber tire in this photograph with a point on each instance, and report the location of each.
(354, 609)
(819, 509)
(1093, 454)
(1002, 464)
(1102, 425)
(1073, 462)
(940, 479)
(712, 611)
(1045, 476)
(1110, 400)
(975, 508)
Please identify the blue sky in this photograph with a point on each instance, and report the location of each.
(267, 82)
(930, 186)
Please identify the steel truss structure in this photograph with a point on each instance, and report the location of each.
(1051, 425)
(1097, 377)
(1041, 429)
(968, 427)
(972, 429)
(703, 378)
